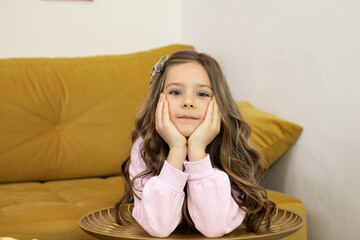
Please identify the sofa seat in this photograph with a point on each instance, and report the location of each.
(51, 210)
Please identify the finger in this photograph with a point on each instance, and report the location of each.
(214, 112)
(166, 114)
(217, 116)
(216, 109)
(209, 112)
(158, 112)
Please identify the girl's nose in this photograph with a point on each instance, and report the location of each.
(188, 103)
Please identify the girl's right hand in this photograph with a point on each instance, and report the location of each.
(165, 127)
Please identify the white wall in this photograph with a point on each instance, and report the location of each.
(37, 28)
(297, 59)
(300, 60)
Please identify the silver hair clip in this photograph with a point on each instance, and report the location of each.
(158, 68)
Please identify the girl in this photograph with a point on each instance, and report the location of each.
(191, 163)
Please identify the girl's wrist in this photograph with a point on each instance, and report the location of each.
(179, 150)
(177, 157)
(196, 154)
(180, 145)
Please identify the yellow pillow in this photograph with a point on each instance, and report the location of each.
(271, 136)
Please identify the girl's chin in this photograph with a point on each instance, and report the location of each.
(186, 132)
(186, 129)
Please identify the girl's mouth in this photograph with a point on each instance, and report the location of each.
(186, 117)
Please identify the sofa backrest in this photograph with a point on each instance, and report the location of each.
(63, 118)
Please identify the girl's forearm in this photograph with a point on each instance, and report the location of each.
(177, 157)
(210, 203)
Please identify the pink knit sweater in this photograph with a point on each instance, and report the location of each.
(210, 204)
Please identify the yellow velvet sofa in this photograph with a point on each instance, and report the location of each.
(64, 131)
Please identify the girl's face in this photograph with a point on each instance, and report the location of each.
(188, 90)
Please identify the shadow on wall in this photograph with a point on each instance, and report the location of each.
(275, 177)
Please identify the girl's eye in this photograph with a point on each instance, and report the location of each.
(202, 94)
(175, 92)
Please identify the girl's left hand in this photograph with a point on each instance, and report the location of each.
(205, 132)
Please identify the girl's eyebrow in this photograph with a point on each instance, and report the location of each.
(197, 85)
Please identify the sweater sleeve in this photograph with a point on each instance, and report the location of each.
(210, 204)
(159, 208)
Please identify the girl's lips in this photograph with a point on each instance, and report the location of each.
(188, 118)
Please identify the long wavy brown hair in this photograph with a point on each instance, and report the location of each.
(230, 151)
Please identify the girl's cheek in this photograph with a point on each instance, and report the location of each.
(169, 97)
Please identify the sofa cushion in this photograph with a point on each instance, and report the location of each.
(64, 118)
(271, 136)
(51, 210)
